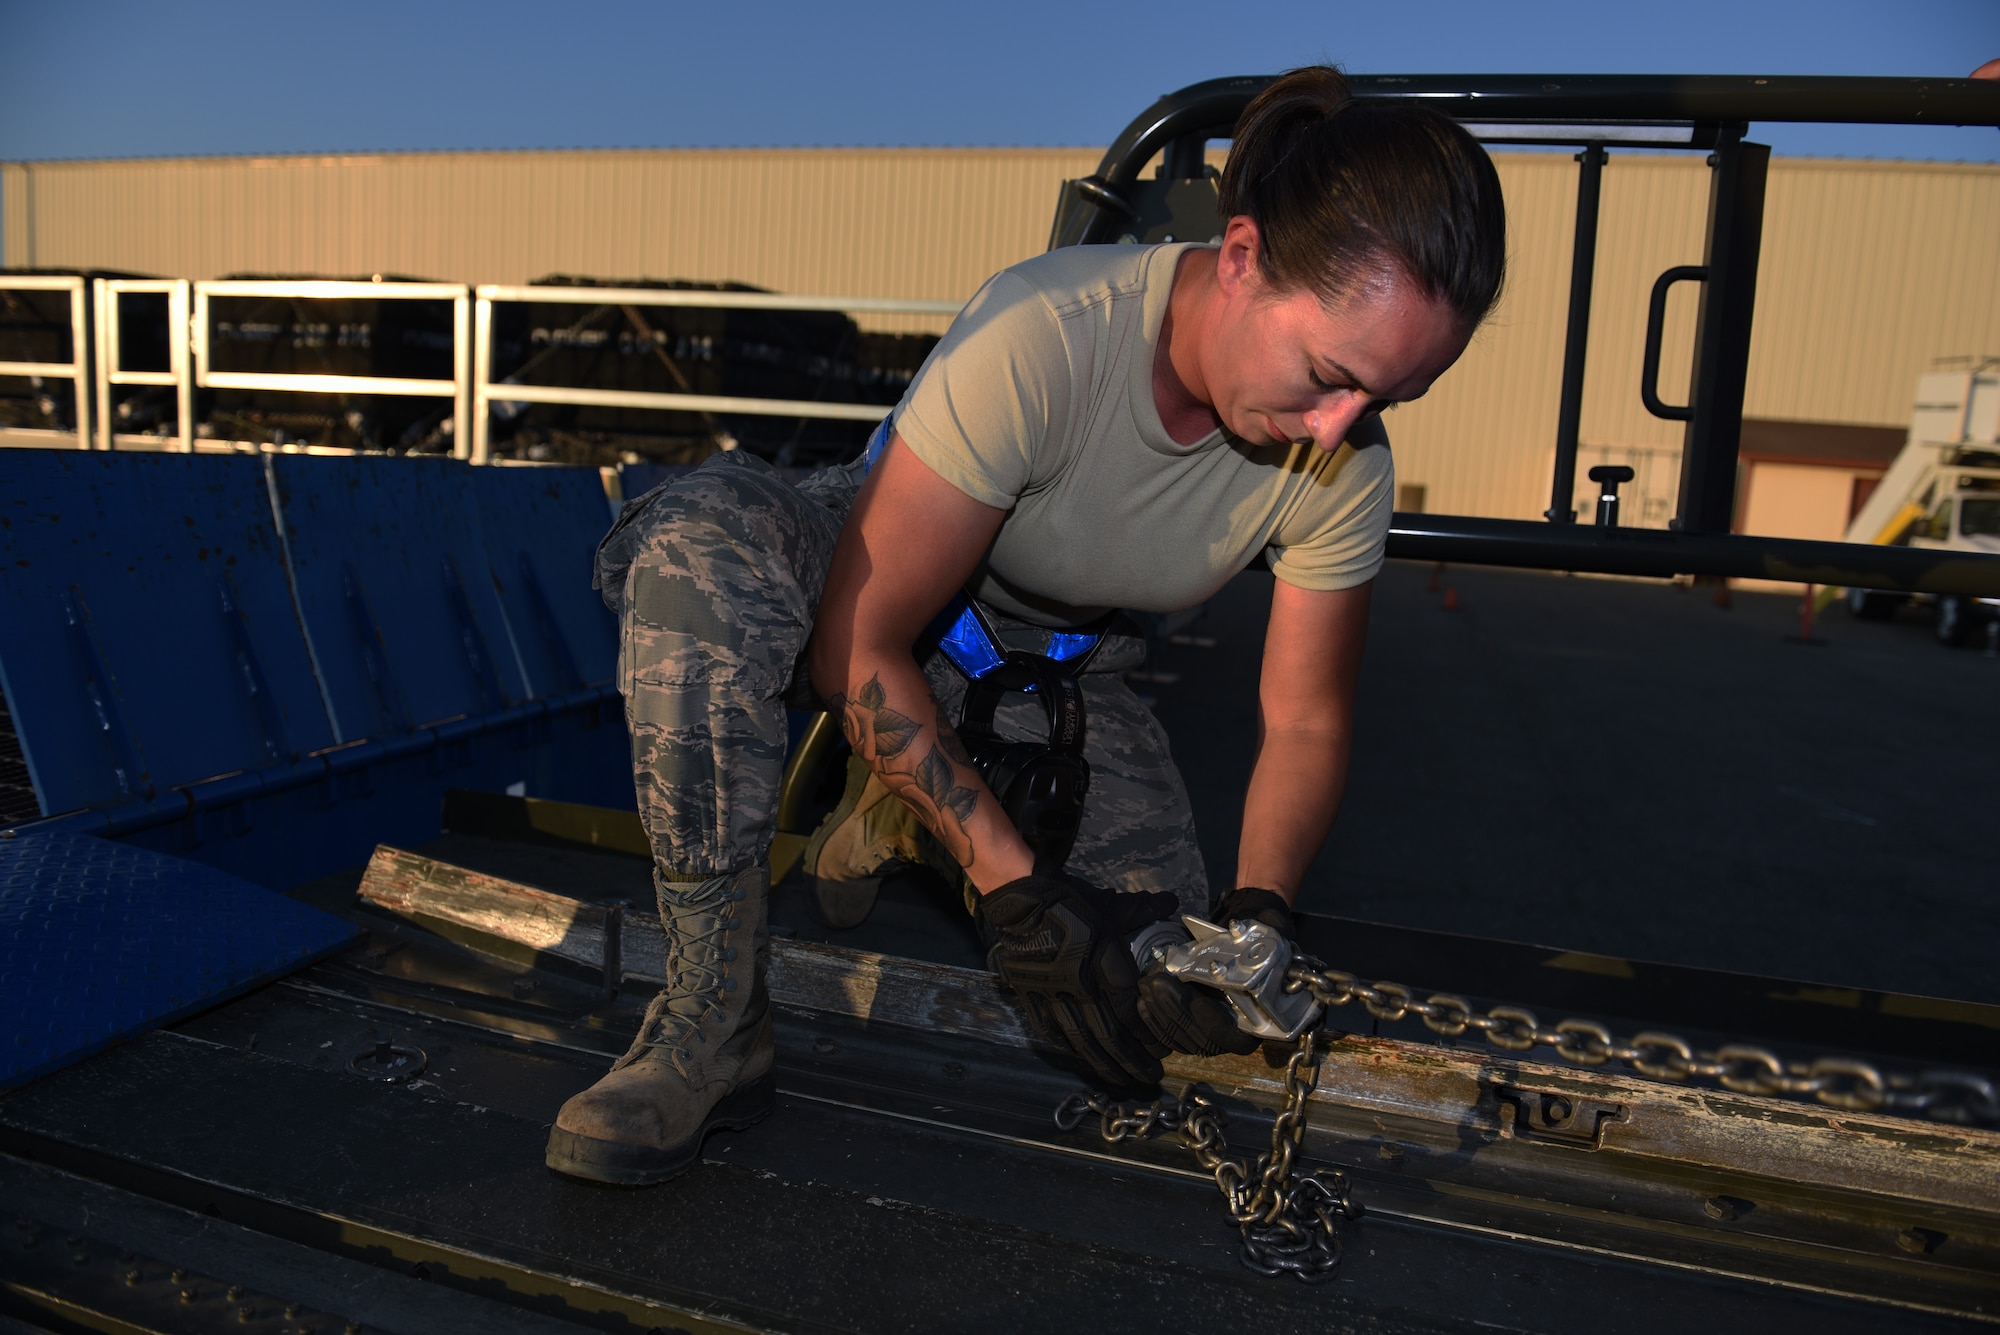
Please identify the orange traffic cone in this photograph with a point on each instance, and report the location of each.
(1451, 600)
(1722, 591)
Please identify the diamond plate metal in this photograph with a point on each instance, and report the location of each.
(100, 941)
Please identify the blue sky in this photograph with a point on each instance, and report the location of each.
(111, 78)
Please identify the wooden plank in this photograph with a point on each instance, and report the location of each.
(804, 976)
(883, 989)
(413, 885)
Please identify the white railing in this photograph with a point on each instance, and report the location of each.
(77, 369)
(454, 389)
(472, 389)
(486, 391)
(105, 294)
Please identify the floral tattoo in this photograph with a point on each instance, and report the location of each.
(929, 786)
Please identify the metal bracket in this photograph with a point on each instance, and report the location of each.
(369, 642)
(256, 685)
(1247, 962)
(128, 766)
(1553, 1116)
(478, 662)
(568, 678)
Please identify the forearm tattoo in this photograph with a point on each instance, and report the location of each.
(931, 785)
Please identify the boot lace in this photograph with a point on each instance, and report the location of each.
(697, 967)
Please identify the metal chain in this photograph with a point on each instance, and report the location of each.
(1286, 1221)
(1839, 1082)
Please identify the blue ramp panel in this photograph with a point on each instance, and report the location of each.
(147, 637)
(395, 591)
(542, 527)
(100, 941)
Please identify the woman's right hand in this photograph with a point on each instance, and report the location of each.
(1061, 944)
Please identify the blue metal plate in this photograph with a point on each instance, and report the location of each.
(146, 630)
(164, 679)
(542, 527)
(100, 941)
(395, 591)
(635, 480)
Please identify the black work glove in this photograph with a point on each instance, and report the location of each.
(1060, 944)
(1197, 1020)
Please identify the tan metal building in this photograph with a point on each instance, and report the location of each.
(1871, 270)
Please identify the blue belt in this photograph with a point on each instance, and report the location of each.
(967, 640)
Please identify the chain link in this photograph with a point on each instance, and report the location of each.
(1838, 1082)
(1287, 1221)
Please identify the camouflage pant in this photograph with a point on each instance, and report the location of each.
(715, 578)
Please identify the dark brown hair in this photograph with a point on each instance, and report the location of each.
(1341, 188)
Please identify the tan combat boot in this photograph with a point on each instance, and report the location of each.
(860, 842)
(703, 1057)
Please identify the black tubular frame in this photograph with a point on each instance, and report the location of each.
(1595, 112)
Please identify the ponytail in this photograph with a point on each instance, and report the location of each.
(1342, 188)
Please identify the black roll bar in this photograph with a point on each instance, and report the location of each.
(1592, 112)
(1582, 280)
(1664, 553)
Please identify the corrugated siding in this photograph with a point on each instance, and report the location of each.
(927, 224)
(1869, 272)
(16, 229)
(1870, 269)
(1477, 442)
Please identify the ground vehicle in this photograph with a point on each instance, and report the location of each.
(920, 1184)
(1942, 493)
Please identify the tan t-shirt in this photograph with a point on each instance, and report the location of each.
(1039, 401)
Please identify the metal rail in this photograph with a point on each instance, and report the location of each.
(77, 369)
(456, 389)
(486, 391)
(1662, 554)
(1686, 111)
(178, 375)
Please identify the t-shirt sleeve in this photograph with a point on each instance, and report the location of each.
(1339, 535)
(985, 411)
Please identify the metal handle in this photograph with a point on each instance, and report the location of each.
(1656, 319)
